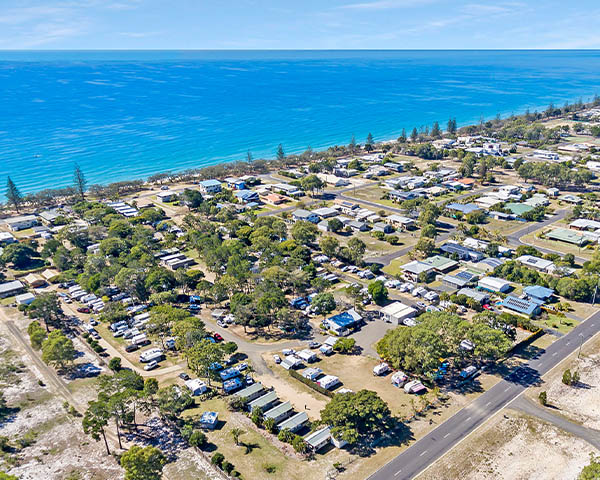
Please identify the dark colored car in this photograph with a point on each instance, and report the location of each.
(217, 337)
(184, 376)
(131, 348)
(83, 310)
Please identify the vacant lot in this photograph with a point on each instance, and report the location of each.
(512, 446)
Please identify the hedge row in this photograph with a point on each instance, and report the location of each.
(310, 383)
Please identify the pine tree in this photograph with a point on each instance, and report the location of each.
(13, 195)
(402, 137)
(249, 156)
(280, 152)
(414, 134)
(352, 145)
(435, 131)
(369, 139)
(79, 181)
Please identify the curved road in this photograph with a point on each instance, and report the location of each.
(427, 450)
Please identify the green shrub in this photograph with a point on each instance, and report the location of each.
(269, 467)
(197, 439)
(310, 383)
(227, 467)
(217, 459)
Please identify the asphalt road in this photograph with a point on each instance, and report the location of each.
(431, 447)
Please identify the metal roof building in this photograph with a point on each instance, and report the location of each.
(520, 305)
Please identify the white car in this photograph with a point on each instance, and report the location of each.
(277, 359)
(151, 365)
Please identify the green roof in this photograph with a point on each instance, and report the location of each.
(568, 236)
(441, 263)
(518, 208)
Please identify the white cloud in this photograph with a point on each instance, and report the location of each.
(385, 4)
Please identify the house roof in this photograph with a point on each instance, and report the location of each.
(471, 293)
(345, 319)
(536, 262)
(10, 286)
(464, 208)
(440, 263)
(249, 391)
(210, 183)
(397, 309)
(317, 438)
(301, 213)
(278, 410)
(520, 305)
(568, 236)
(294, 421)
(538, 291)
(266, 399)
(493, 283)
(415, 267)
(518, 208)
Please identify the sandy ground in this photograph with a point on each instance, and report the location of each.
(513, 447)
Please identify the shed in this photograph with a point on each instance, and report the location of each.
(209, 420)
(493, 284)
(397, 312)
(24, 298)
(9, 289)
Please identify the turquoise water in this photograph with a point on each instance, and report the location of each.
(124, 115)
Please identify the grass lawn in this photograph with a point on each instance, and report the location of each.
(7, 301)
(557, 246)
(257, 451)
(394, 267)
(560, 324)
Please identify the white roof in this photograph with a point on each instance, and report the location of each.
(493, 283)
(536, 262)
(397, 309)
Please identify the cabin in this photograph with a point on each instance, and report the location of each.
(280, 412)
(294, 423)
(209, 420)
(318, 439)
(252, 392)
(263, 402)
(24, 298)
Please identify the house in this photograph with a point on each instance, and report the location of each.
(476, 295)
(459, 280)
(196, 386)
(569, 236)
(8, 289)
(274, 199)
(396, 167)
(24, 298)
(383, 227)
(518, 209)
(287, 189)
(520, 305)
(22, 222)
(465, 209)
(333, 180)
(342, 322)
(400, 222)
(209, 186)
(280, 412)
(246, 196)
(166, 196)
(570, 199)
(493, 284)
(357, 226)
(415, 269)
(397, 312)
(7, 238)
(235, 183)
(347, 207)
(328, 381)
(325, 212)
(584, 224)
(294, 423)
(307, 355)
(462, 252)
(305, 215)
(500, 215)
(536, 263)
(489, 264)
(50, 216)
(441, 264)
(552, 192)
(209, 420)
(538, 294)
(400, 196)
(318, 439)
(263, 402)
(34, 280)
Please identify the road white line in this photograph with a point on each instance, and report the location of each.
(555, 354)
(468, 419)
(447, 435)
(507, 389)
(488, 404)
(568, 343)
(423, 453)
(397, 473)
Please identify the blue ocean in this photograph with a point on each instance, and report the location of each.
(128, 114)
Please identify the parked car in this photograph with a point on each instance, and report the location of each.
(487, 306)
(217, 337)
(277, 359)
(249, 380)
(242, 366)
(132, 348)
(151, 365)
(314, 344)
(93, 321)
(184, 376)
(222, 324)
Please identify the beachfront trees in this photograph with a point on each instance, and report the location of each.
(280, 152)
(369, 143)
(435, 130)
(143, 463)
(355, 416)
(79, 182)
(352, 144)
(13, 195)
(414, 135)
(192, 198)
(451, 126)
(402, 137)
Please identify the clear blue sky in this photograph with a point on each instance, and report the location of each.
(297, 24)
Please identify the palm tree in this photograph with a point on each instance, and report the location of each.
(236, 433)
